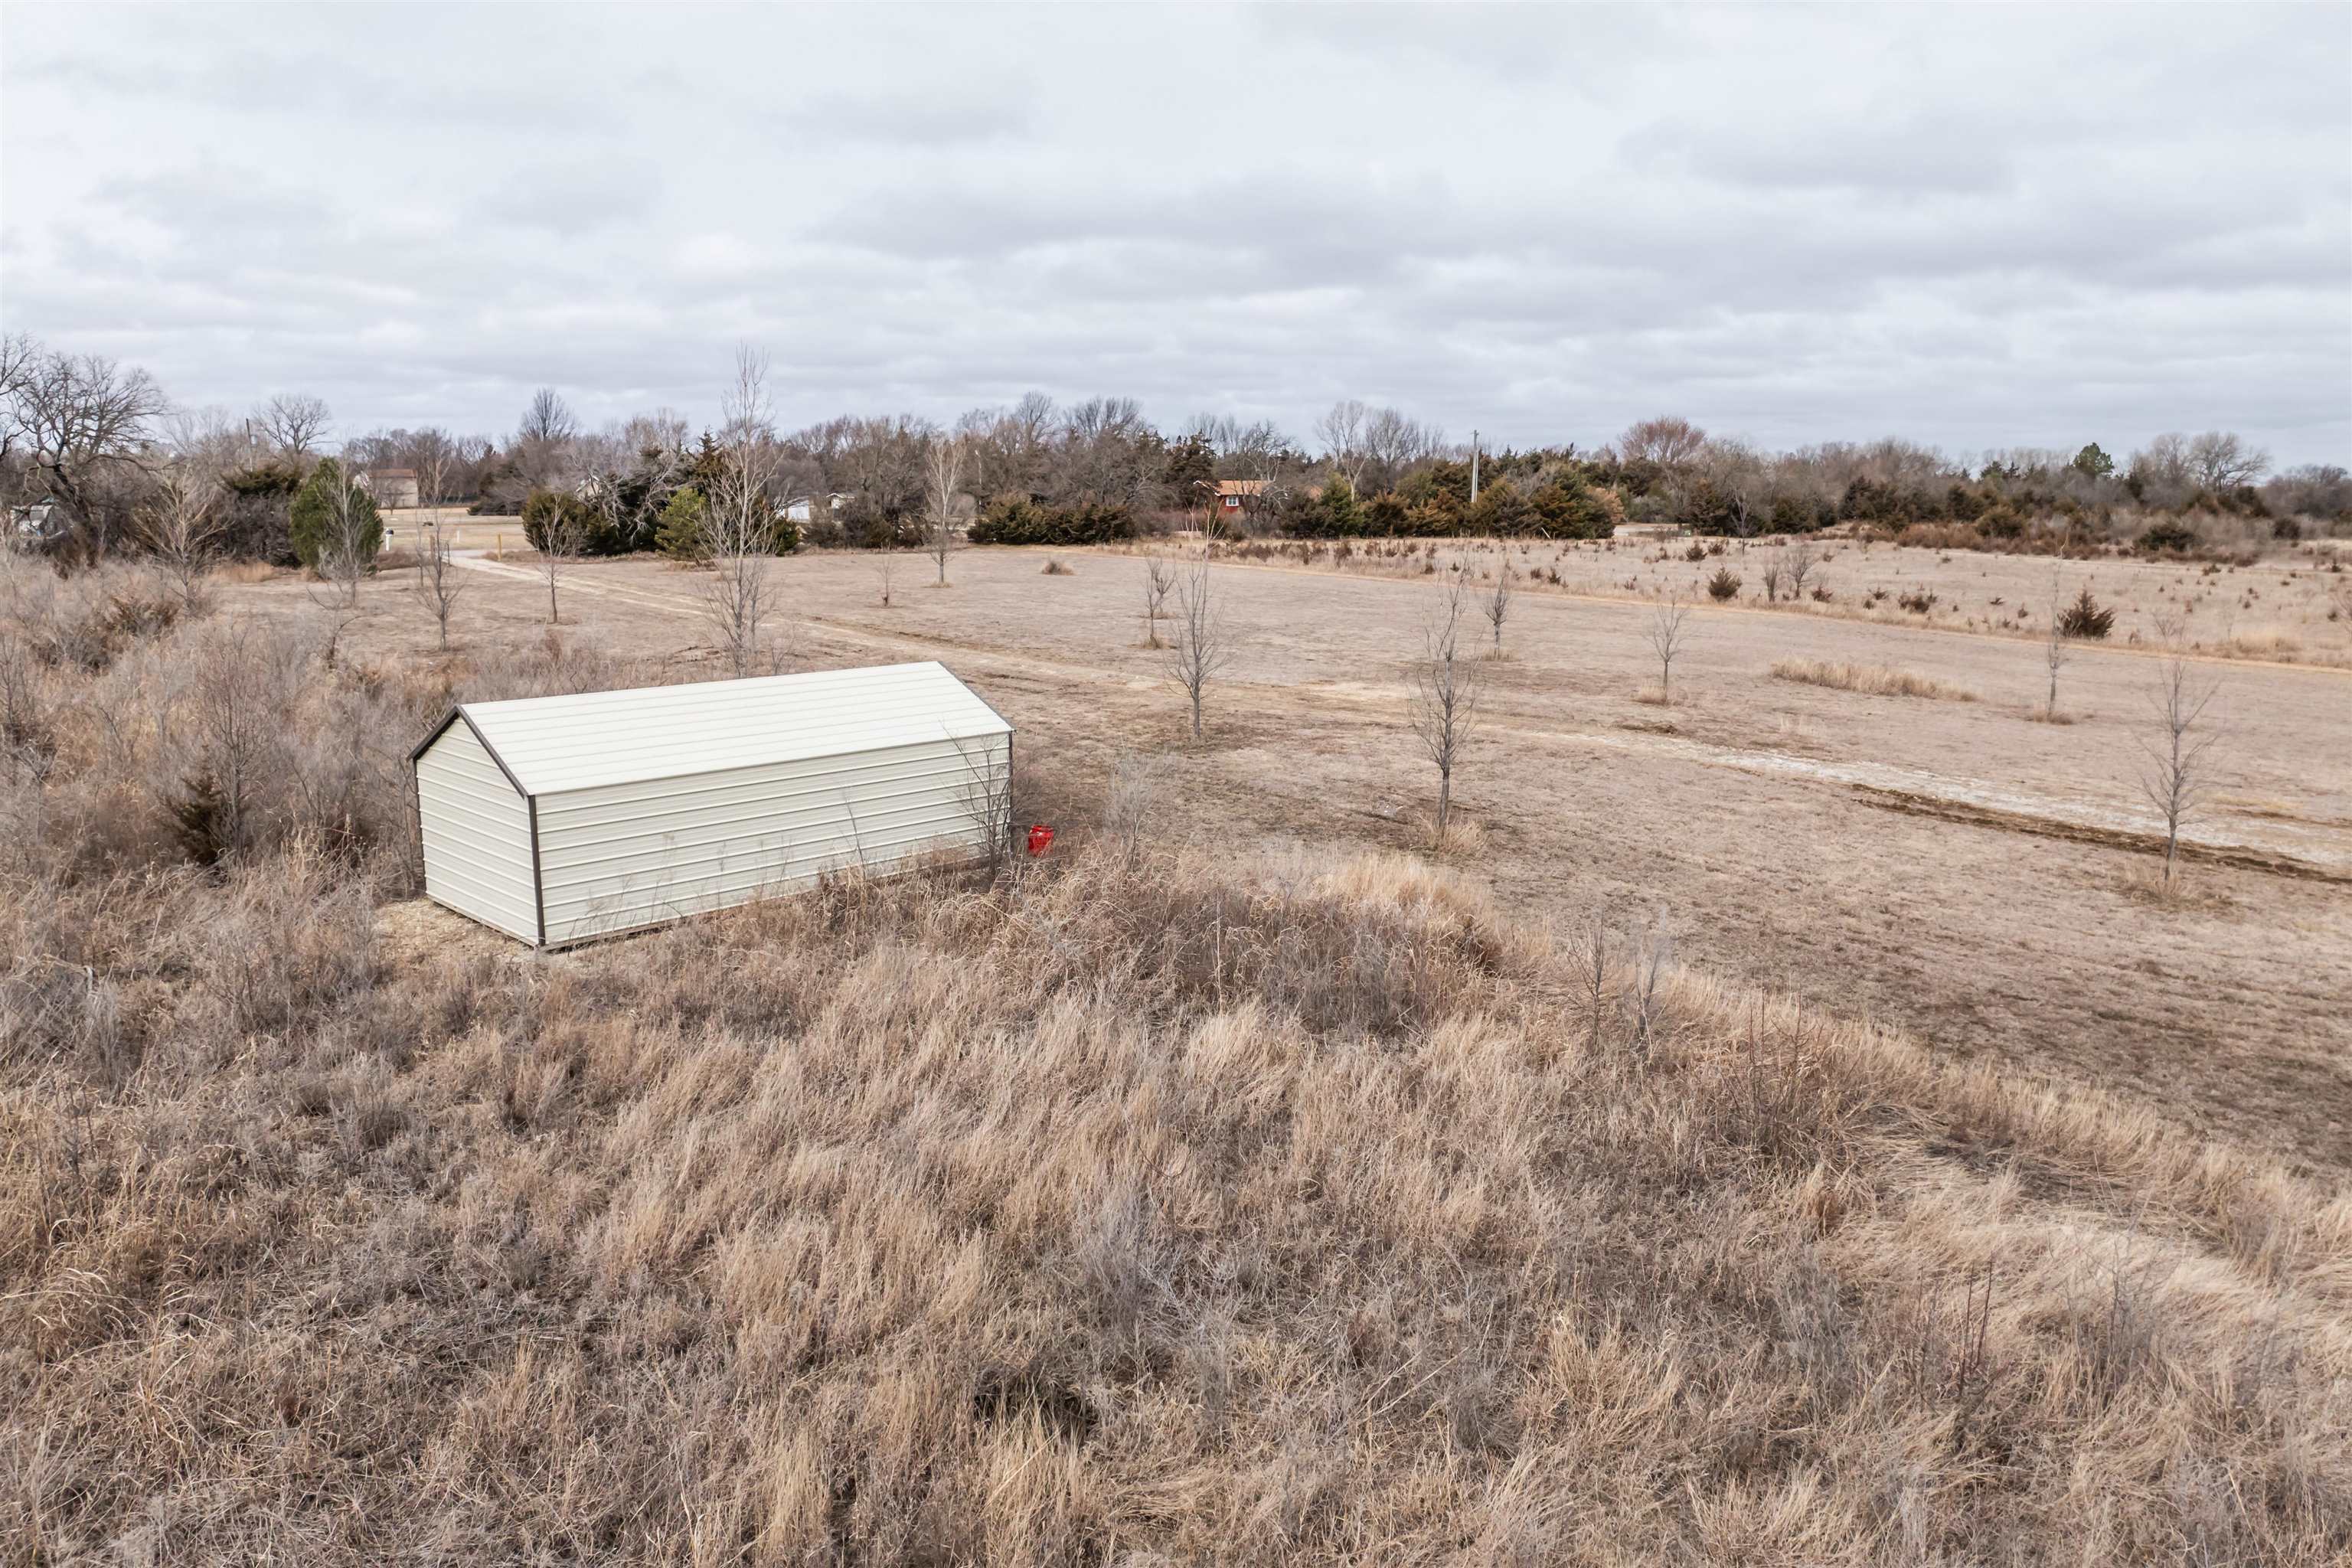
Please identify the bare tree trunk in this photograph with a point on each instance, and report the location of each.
(1445, 696)
(1497, 606)
(1203, 646)
(180, 526)
(2054, 651)
(946, 473)
(1158, 581)
(438, 580)
(1667, 637)
(1800, 566)
(2174, 774)
(343, 556)
(742, 520)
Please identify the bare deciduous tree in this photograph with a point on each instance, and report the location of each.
(74, 417)
(1131, 803)
(1742, 478)
(1666, 441)
(1592, 973)
(439, 579)
(2053, 649)
(944, 477)
(1341, 431)
(562, 531)
(886, 574)
(986, 793)
(2222, 459)
(1496, 603)
(1652, 957)
(544, 441)
(232, 728)
(1204, 645)
(741, 521)
(292, 423)
(1445, 696)
(1370, 448)
(1799, 560)
(179, 525)
(1666, 635)
(433, 454)
(1158, 581)
(2174, 773)
(1776, 567)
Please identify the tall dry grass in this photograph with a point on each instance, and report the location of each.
(1146, 1205)
(1875, 680)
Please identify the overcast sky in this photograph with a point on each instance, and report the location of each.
(1976, 226)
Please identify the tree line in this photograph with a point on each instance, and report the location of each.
(95, 459)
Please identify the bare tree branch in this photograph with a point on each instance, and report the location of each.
(1495, 603)
(944, 473)
(1158, 581)
(1666, 636)
(293, 422)
(741, 522)
(439, 581)
(2054, 651)
(1445, 695)
(2173, 773)
(1204, 645)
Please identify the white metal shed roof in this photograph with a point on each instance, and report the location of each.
(550, 744)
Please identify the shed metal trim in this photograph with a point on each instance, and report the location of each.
(581, 741)
(417, 752)
(537, 880)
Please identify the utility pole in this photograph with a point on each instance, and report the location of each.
(1473, 468)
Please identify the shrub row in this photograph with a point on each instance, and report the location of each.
(1016, 520)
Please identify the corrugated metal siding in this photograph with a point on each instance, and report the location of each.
(476, 832)
(556, 744)
(618, 856)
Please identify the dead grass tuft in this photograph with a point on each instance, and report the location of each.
(2185, 891)
(1875, 680)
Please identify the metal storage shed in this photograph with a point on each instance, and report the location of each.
(555, 819)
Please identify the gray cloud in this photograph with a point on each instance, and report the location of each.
(1794, 223)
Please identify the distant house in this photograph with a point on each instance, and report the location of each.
(802, 510)
(1232, 497)
(390, 486)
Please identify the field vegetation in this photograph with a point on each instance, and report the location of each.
(1875, 680)
(1164, 1200)
(1322, 1156)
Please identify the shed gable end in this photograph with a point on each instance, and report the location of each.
(480, 855)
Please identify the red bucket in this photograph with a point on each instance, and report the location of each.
(1041, 839)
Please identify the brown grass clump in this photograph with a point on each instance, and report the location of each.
(1140, 1205)
(1876, 679)
(2148, 885)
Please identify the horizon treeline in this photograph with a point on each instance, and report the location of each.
(102, 444)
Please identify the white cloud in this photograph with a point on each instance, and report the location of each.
(1540, 221)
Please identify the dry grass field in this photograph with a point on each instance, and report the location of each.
(2292, 606)
(1781, 1128)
